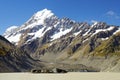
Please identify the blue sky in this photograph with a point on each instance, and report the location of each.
(16, 12)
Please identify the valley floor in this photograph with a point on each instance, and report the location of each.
(67, 76)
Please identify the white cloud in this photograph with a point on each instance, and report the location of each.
(112, 14)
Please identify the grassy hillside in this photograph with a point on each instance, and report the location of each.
(109, 47)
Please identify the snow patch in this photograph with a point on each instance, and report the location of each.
(61, 33)
(94, 23)
(51, 44)
(104, 38)
(10, 30)
(43, 14)
(86, 32)
(14, 38)
(100, 30)
(117, 31)
(56, 24)
(110, 28)
(84, 40)
(77, 33)
(39, 33)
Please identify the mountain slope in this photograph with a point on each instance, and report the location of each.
(13, 59)
(110, 47)
(48, 38)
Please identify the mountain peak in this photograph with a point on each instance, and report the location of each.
(45, 25)
(39, 17)
(10, 30)
(45, 13)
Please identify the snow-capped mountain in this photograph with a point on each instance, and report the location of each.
(49, 38)
(36, 27)
(35, 24)
(45, 21)
(44, 27)
(47, 27)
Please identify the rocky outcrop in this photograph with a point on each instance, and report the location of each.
(55, 70)
(13, 59)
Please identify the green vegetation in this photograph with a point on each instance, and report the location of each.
(87, 49)
(69, 52)
(76, 41)
(45, 46)
(2, 53)
(5, 46)
(109, 47)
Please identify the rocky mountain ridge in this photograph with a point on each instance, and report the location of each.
(48, 38)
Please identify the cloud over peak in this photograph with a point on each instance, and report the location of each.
(112, 14)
